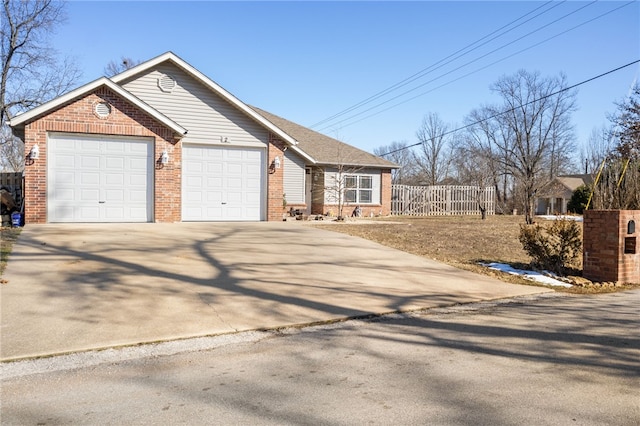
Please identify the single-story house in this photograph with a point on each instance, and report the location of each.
(162, 142)
(554, 197)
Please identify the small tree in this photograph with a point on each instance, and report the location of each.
(340, 184)
(579, 199)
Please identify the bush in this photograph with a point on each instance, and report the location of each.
(579, 199)
(552, 248)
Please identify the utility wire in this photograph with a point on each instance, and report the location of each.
(442, 62)
(465, 75)
(471, 62)
(520, 106)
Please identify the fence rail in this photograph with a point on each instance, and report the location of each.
(441, 200)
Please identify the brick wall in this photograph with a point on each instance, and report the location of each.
(604, 257)
(125, 120)
(275, 185)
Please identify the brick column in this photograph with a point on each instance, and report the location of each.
(610, 252)
(275, 181)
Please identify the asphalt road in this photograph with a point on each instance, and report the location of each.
(551, 359)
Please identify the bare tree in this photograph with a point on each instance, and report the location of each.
(124, 64)
(618, 183)
(433, 157)
(627, 126)
(399, 153)
(31, 71)
(534, 129)
(481, 144)
(599, 146)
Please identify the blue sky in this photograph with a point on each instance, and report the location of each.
(307, 61)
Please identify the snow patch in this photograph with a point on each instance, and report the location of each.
(530, 275)
(567, 217)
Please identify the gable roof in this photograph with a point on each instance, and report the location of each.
(572, 182)
(324, 149)
(21, 119)
(207, 82)
(564, 185)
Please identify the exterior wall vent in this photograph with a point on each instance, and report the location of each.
(102, 109)
(166, 83)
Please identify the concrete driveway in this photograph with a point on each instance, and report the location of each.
(79, 287)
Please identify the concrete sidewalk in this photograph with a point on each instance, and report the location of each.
(78, 287)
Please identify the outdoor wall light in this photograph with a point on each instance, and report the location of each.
(276, 162)
(631, 227)
(164, 158)
(35, 152)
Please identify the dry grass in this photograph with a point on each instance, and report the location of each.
(461, 241)
(7, 237)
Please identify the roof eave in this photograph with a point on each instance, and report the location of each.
(22, 119)
(212, 85)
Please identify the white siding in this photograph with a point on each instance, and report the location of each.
(330, 193)
(294, 178)
(205, 115)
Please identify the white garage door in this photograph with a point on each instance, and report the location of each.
(99, 179)
(222, 183)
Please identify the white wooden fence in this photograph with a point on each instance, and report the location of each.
(441, 200)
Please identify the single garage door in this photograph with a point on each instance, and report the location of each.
(99, 179)
(220, 183)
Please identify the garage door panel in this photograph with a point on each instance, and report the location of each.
(87, 146)
(114, 179)
(85, 195)
(90, 179)
(137, 164)
(100, 179)
(65, 178)
(221, 175)
(85, 213)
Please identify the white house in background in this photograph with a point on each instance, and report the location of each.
(554, 197)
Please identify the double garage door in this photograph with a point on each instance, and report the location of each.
(110, 179)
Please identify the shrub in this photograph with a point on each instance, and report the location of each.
(579, 199)
(554, 247)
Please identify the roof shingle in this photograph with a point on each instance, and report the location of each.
(324, 149)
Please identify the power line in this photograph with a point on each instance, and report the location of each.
(520, 106)
(471, 62)
(450, 59)
(465, 75)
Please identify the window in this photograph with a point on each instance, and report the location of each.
(358, 189)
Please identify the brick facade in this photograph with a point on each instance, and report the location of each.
(606, 235)
(125, 120)
(275, 183)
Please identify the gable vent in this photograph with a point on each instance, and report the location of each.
(102, 109)
(166, 83)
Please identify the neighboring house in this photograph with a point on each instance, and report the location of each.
(554, 197)
(161, 142)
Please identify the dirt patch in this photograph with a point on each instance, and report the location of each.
(7, 237)
(461, 241)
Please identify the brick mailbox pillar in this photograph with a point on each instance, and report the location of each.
(611, 246)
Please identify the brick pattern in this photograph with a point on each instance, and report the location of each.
(604, 258)
(125, 120)
(275, 185)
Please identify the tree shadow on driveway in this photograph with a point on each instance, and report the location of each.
(74, 287)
